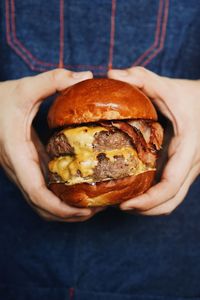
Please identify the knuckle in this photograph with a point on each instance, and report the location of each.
(172, 187)
(145, 206)
(88, 214)
(45, 217)
(151, 200)
(169, 209)
(23, 91)
(139, 70)
(173, 192)
(63, 214)
(167, 212)
(77, 220)
(34, 195)
(55, 73)
(77, 216)
(21, 87)
(58, 73)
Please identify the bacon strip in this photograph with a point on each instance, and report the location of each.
(156, 137)
(146, 136)
(143, 127)
(151, 131)
(139, 142)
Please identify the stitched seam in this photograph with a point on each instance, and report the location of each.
(71, 293)
(9, 41)
(157, 34)
(44, 65)
(112, 34)
(21, 50)
(163, 35)
(19, 44)
(8, 35)
(61, 55)
(7, 23)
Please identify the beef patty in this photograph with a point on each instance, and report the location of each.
(105, 140)
(106, 168)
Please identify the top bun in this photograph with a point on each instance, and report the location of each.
(98, 99)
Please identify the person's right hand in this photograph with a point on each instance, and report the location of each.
(20, 148)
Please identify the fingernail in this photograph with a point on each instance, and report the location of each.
(83, 214)
(98, 209)
(80, 74)
(127, 208)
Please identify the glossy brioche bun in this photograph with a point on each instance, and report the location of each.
(93, 100)
(103, 193)
(96, 100)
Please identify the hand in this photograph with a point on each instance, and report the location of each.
(20, 148)
(179, 101)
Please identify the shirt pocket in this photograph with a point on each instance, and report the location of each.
(74, 34)
(140, 31)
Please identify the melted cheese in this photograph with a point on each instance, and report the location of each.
(85, 158)
(81, 139)
(126, 152)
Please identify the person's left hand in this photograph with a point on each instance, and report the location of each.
(179, 101)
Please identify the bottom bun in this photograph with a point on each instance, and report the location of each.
(103, 193)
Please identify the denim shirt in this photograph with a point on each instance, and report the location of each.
(115, 256)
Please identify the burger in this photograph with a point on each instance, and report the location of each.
(105, 144)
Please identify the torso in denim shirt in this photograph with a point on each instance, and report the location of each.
(114, 255)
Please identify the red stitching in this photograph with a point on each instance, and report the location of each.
(71, 293)
(163, 34)
(86, 66)
(7, 23)
(157, 33)
(8, 35)
(28, 53)
(61, 56)
(21, 48)
(112, 34)
(20, 45)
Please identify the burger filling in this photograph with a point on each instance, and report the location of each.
(107, 151)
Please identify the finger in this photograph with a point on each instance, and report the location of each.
(169, 206)
(34, 185)
(42, 154)
(51, 218)
(154, 86)
(174, 175)
(41, 212)
(45, 84)
(41, 148)
(12, 176)
(27, 165)
(32, 90)
(151, 83)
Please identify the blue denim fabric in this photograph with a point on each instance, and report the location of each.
(115, 255)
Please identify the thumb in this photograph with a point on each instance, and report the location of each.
(30, 91)
(36, 88)
(151, 84)
(159, 89)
